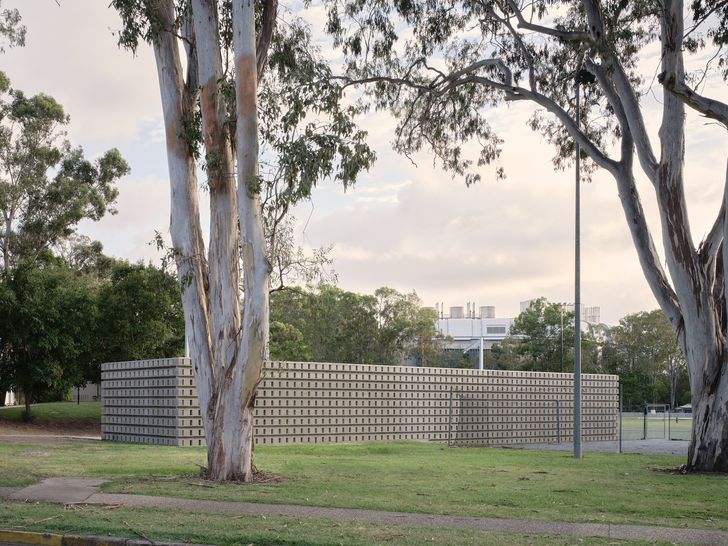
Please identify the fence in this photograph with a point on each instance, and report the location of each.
(307, 402)
(657, 425)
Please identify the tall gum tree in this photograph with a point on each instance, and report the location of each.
(457, 59)
(213, 103)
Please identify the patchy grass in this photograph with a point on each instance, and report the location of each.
(224, 529)
(408, 477)
(55, 411)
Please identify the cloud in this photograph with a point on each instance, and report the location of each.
(143, 210)
(72, 55)
(403, 225)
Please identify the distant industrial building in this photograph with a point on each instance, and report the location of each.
(472, 330)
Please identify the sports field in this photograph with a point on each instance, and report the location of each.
(659, 426)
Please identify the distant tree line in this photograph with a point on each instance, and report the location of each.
(642, 349)
(328, 324)
(61, 318)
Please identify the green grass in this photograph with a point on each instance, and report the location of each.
(55, 411)
(225, 529)
(408, 477)
(658, 427)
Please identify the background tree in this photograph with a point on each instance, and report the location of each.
(341, 326)
(140, 315)
(457, 60)
(230, 48)
(539, 329)
(287, 343)
(337, 325)
(406, 330)
(647, 358)
(12, 33)
(47, 318)
(46, 187)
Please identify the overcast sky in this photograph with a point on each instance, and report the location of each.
(411, 227)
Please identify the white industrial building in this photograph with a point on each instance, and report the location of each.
(468, 329)
(474, 330)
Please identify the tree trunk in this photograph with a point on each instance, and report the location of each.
(6, 243)
(232, 451)
(223, 262)
(177, 101)
(708, 450)
(28, 398)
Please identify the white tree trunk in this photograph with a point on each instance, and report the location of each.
(700, 333)
(227, 352)
(223, 263)
(185, 224)
(230, 455)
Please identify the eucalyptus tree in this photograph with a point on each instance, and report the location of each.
(46, 185)
(12, 31)
(442, 65)
(246, 86)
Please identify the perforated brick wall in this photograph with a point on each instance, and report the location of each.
(150, 402)
(305, 402)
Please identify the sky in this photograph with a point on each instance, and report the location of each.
(406, 225)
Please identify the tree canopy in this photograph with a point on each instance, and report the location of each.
(46, 186)
(329, 324)
(47, 325)
(441, 67)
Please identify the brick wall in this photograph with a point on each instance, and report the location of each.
(154, 401)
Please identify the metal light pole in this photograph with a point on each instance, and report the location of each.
(561, 360)
(583, 76)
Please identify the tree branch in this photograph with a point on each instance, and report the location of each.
(710, 108)
(270, 12)
(566, 35)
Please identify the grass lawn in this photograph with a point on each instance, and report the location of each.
(408, 477)
(55, 411)
(225, 529)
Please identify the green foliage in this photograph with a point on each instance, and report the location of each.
(11, 31)
(535, 341)
(47, 316)
(644, 352)
(287, 343)
(140, 315)
(340, 326)
(46, 186)
(427, 62)
(62, 317)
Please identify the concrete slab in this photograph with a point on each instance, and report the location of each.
(64, 490)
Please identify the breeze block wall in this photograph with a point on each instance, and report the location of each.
(154, 401)
(150, 402)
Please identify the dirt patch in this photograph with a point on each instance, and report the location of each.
(58, 427)
(259, 478)
(56, 432)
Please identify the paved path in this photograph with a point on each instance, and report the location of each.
(85, 490)
(644, 447)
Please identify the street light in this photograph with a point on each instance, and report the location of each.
(561, 360)
(583, 76)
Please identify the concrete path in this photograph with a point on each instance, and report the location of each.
(643, 447)
(85, 490)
